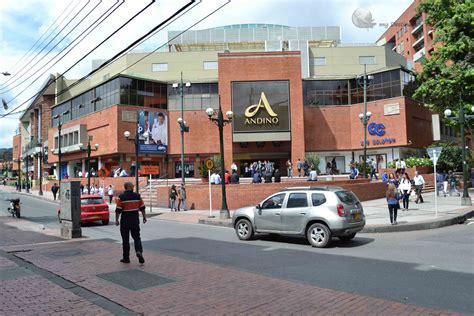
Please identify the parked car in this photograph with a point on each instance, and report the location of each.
(93, 208)
(317, 212)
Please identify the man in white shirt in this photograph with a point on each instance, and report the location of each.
(419, 183)
(159, 131)
(313, 175)
(403, 166)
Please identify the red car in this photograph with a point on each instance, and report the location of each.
(93, 208)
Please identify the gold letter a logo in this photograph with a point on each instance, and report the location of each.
(253, 109)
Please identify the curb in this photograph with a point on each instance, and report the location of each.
(423, 225)
(39, 197)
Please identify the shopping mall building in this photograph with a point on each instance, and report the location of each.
(293, 91)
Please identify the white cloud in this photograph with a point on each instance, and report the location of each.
(41, 13)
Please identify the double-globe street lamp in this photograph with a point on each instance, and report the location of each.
(19, 173)
(184, 128)
(26, 160)
(136, 141)
(59, 118)
(219, 120)
(88, 161)
(365, 80)
(462, 119)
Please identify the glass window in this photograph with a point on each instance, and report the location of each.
(297, 200)
(368, 60)
(318, 61)
(318, 199)
(210, 65)
(159, 67)
(275, 201)
(347, 197)
(87, 201)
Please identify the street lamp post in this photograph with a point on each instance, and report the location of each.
(184, 128)
(88, 161)
(136, 141)
(365, 117)
(461, 120)
(59, 117)
(221, 122)
(27, 175)
(19, 173)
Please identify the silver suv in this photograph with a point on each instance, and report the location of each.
(319, 213)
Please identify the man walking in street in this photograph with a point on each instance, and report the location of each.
(128, 205)
(419, 183)
(55, 190)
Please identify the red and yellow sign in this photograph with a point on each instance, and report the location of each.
(150, 170)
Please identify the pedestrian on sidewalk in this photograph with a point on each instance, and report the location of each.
(299, 165)
(110, 193)
(55, 190)
(393, 198)
(405, 188)
(181, 197)
(452, 184)
(128, 205)
(419, 183)
(173, 196)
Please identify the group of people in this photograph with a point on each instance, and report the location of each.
(94, 189)
(445, 180)
(180, 195)
(399, 187)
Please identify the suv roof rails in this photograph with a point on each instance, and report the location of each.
(314, 188)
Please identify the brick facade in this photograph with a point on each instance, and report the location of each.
(16, 151)
(240, 195)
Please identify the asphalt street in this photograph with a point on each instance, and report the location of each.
(433, 268)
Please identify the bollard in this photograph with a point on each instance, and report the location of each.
(70, 210)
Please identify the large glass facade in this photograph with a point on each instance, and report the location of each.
(121, 90)
(326, 92)
(387, 84)
(198, 96)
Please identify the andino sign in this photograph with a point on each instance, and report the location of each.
(378, 129)
(261, 106)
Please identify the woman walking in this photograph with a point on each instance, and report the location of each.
(173, 195)
(110, 193)
(392, 201)
(405, 188)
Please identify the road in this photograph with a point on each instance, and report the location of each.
(432, 268)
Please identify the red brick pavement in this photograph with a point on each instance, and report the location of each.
(35, 295)
(201, 288)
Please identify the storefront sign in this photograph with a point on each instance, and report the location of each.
(376, 129)
(150, 170)
(380, 141)
(261, 106)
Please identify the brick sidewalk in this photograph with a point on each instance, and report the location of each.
(195, 288)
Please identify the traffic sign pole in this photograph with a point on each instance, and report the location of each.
(210, 193)
(435, 160)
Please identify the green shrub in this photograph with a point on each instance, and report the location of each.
(313, 160)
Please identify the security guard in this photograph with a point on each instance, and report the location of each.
(128, 205)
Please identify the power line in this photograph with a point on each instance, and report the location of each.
(103, 17)
(74, 17)
(148, 54)
(12, 70)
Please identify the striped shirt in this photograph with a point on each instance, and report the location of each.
(129, 202)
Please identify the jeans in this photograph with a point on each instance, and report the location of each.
(372, 174)
(183, 202)
(406, 199)
(173, 204)
(392, 209)
(290, 173)
(418, 189)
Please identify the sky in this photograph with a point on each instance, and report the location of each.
(35, 34)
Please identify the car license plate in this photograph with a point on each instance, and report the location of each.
(358, 216)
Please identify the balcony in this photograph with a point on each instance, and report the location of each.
(419, 42)
(33, 147)
(417, 28)
(419, 54)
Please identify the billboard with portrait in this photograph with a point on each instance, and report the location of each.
(153, 131)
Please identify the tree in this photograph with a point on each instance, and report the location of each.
(313, 160)
(447, 77)
(451, 157)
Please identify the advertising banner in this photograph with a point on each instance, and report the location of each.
(153, 131)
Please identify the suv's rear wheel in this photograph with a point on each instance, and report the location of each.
(347, 237)
(318, 235)
(244, 229)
